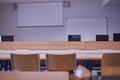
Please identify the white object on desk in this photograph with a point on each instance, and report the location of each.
(0, 38)
(78, 73)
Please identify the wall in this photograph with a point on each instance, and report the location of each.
(77, 9)
(8, 25)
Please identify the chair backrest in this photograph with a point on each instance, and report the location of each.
(25, 62)
(110, 65)
(57, 62)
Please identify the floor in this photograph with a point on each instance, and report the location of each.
(95, 77)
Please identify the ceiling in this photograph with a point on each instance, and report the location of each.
(29, 1)
(114, 3)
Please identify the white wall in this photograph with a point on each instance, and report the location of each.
(77, 9)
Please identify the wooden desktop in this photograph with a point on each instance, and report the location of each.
(90, 50)
(60, 45)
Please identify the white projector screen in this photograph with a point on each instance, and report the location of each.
(88, 28)
(40, 14)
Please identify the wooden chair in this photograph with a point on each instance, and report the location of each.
(66, 62)
(25, 62)
(110, 67)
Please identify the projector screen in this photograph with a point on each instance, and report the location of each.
(40, 14)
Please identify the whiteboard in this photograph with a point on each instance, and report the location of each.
(88, 28)
(40, 14)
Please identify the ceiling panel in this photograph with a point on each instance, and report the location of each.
(29, 1)
(112, 3)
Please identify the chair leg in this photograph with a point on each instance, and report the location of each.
(99, 76)
(0, 65)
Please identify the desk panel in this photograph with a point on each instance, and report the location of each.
(34, 76)
(102, 45)
(5, 46)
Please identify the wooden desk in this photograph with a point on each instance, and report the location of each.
(90, 50)
(34, 76)
(85, 50)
